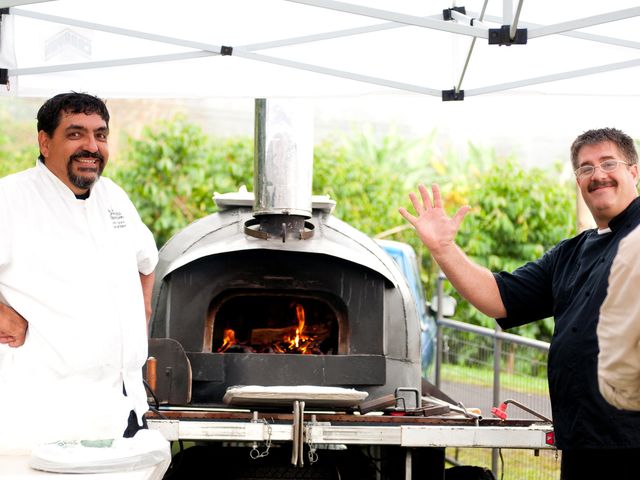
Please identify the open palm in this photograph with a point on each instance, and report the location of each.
(436, 229)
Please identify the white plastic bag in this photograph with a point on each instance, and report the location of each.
(146, 449)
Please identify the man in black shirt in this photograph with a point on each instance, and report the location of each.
(569, 282)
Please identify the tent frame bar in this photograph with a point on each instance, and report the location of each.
(15, 3)
(580, 35)
(554, 77)
(412, 20)
(584, 22)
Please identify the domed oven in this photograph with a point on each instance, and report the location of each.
(275, 290)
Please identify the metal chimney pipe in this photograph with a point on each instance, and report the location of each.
(283, 167)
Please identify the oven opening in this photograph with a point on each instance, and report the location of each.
(276, 322)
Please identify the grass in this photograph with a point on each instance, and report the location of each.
(518, 464)
(484, 377)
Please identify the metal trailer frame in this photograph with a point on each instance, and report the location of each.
(336, 431)
(534, 436)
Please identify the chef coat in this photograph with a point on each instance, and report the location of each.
(71, 268)
(570, 283)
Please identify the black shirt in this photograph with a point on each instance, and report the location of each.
(570, 283)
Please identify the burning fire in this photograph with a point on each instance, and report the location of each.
(300, 342)
(293, 339)
(228, 340)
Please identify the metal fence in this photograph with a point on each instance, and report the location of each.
(483, 368)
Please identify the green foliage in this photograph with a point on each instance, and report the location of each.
(367, 177)
(18, 147)
(172, 172)
(516, 216)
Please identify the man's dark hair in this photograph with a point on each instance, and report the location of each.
(592, 137)
(72, 102)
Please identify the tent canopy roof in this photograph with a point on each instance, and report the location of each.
(311, 48)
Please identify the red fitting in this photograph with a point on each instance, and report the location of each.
(500, 412)
(550, 438)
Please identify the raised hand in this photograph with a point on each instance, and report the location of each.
(434, 227)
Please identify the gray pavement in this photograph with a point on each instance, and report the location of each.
(474, 396)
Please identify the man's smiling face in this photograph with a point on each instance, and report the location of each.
(606, 194)
(78, 150)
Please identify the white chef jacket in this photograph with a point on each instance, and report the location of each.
(71, 268)
(619, 328)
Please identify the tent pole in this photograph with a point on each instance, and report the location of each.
(514, 24)
(507, 12)
(473, 43)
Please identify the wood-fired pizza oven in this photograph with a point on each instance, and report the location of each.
(273, 289)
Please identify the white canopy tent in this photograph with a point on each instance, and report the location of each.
(378, 62)
(314, 48)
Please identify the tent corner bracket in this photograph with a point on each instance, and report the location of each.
(446, 13)
(502, 36)
(226, 50)
(452, 95)
(4, 76)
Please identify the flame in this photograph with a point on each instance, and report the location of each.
(300, 315)
(299, 343)
(228, 340)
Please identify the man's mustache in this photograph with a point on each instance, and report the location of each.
(597, 184)
(87, 154)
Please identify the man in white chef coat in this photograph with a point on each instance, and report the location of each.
(76, 273)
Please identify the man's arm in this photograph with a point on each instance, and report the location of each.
(13, 327)
(147, 288)
(619, 330)
(437, 231)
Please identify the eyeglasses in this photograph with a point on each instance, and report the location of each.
(606, 166)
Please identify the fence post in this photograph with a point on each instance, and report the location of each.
(497, 354)
(439, 316)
